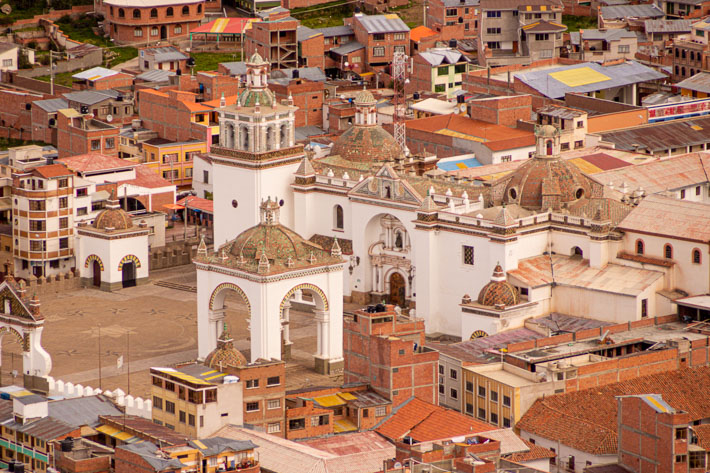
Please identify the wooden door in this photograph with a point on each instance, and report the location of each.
(97, 273)
(128, 274)
(398, 290)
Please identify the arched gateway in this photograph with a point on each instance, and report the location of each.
(266, 265)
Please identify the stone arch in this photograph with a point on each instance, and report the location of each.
(218, 295)
(93, 258)
(577, 251)
(310, 288)
(229, 135)
(270, 137)
(244, 138)
(22, 340)
(128, 259)
(285, 135)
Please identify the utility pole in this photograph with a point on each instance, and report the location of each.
(100, 385)
(187, 210)
(128, 359)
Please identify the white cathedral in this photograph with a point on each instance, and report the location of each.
(471, 259)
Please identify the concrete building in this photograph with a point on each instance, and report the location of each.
(691, 52)
(275, 39)
(453, 19)
(173, 161)
(9, 54)
(572, 124)
(385, 350)
(168, 58)
(603, 44)
(438, 70)
(44, 228)
(514, 32)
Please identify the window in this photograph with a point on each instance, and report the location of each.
(696, 460)
(451, 11)
(570, 463)
(63, 243)
(95, 145)
(481, 413)
(399, 36)
(440, 88)
(506, 422)
(624, 48)
(697, 190)
(468, 255)
(494, 418)
(493, 30)
(206, 177)
(199, 8)
(481, 391)
(542, 36)
(453, 374)
(644, 308)
(157, 402)
(109, 143)
(273, 428)
(169, 386)
(441, 389)
(81, 211)
(319, 420)
(121, 13)
(185, 10)
(378, 51)
(494, 396)
(183, 417)
(442, 70)
(441, 369)
(366, 412)
(137, 14)
(137, 32)
(63, 183)
(154, 13)
(37, 225)
(252, 383)
(469, 386)
(639, 247)
(170, 407)
(696, 256)
(154, 31)
(682, 194)
(378, 36)
(681, 433)
(380, 411)
(273, 381)
(506, 159)
(668, 251)
(296, 424)
(454, 393)
(538, 16)
(273, 404)
(252, 406)
(169, 11)
(493, 14)
(493, 44)
(338, 223)
(63, 223)
(680, 458)
(37, 205)
(460, 68)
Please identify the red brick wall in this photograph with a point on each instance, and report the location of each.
(88, 465)
(369, 42)
(167, 116)
(72, 140)
(129, 462)
(15, 119)
(307, 412)
(116, 80)
(40, 127)
(437, 19)
(260, 394)
(307, 96)
(502, 110)
(122, 29)
(312, 52)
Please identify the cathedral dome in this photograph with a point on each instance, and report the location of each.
(498, 292)
(270, 247)
(547, 131)
(364, 97)
(225, 355)
(113, 216)
(366, 144)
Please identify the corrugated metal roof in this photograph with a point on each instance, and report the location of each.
(382, 23)
(345, 30)
(88, 97)
(216, 445)
(147, 451)
(699, 82)
(303, 33)
(156, 75)
(348, 48)
(236, 68)
(618, 12)
(667, 26)
(95, 73)
(51, 105)
(613, 34)
(440, 56)
(661, 136)
(596, 77)
(82, 410)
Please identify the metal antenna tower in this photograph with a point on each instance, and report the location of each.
(400, 77)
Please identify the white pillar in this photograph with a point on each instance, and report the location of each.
(375, 281)
(285, 323)
(319, 315)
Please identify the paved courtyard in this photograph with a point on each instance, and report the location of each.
(159, 325)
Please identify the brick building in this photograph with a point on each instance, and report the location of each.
(275, 38)
(78, 133)
(381, 6)
(107, 105)
(85, 456)
(100, 78)
(168, 58)
(135, 21)
(307, 96)
(44, 119)
(386, 350)
(691, 52)
(453, 19)
(16, 114)
(176, 116)
(311, 44)
(381, 36)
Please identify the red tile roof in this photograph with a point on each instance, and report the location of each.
(426, 422)
(587, 420)
(469, 126)
(703, 433)
(348, 444)
(536, 452)
(95, 162)
(421, 32)
(605, 162)
(52, 170)
(658, 215)
(145, 177)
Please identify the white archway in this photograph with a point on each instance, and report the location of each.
(389, 250)
(321, 312)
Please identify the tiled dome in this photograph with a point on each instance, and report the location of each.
(225, 355)
(113, 216)
(366, 144)
(364, 97)
(498, 292)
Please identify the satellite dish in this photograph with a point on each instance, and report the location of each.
(109, 118)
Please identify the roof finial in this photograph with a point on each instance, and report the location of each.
(202, 247)
(335, 250)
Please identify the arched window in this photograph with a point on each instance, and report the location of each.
(549, 147)
(121, 13)
(682, 54)
(185, 10)
(696, 256)
(338, 217)
(398, 240)
(154, 13)
(682, 71)
(639, 247)
(169, 11)
(199, 8)
(137, 32)
(137, 14)
(692, 56)
(111, 9)
(676, 52)
(668, 251)
(677, 70)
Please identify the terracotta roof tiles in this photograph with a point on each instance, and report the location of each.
(52, 170)
(675, 218)
(587, 420)
(535, 452)
(95, 162)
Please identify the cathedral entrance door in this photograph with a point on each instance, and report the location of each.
(128, 274)
(398, 290)
(97, 273)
